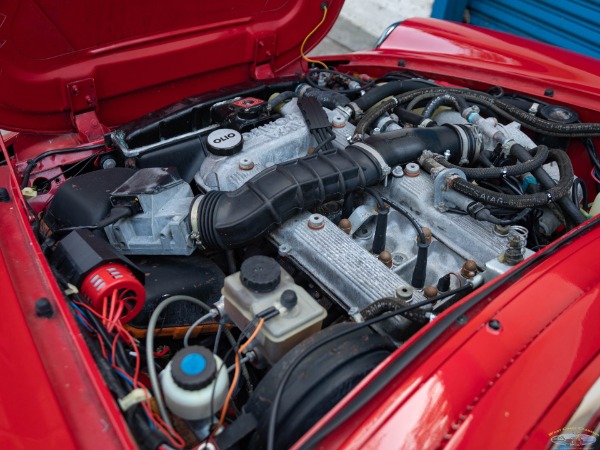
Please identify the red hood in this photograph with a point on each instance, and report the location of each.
(133, 51)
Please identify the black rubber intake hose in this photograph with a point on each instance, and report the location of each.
(378, 93)
(528, 164)
(401, 146)
(552, 194)
(234, 219)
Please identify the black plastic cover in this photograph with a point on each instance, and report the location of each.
(187, 156)
(84, 200)
(81, 251)
(192, 275)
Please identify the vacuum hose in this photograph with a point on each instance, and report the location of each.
(229, 220)
(554, 192)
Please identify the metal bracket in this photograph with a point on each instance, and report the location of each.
(441, 192)
(264, 53)
(361, 215)
(83, 102)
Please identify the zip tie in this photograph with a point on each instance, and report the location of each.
(135, 397)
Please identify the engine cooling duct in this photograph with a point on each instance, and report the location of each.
(229, 220)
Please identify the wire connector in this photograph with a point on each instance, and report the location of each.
(135, 397)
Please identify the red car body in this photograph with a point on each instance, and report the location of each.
(68, 78)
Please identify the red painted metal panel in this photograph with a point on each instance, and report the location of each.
(141, 55)
(51, 390)
(461, 52)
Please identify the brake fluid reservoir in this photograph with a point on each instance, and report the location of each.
(260, 284)
(192, 380)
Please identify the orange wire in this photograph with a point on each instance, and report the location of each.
(236, 375)
(117, 318)
(113, 311)
(253, 336)
(171, 434)
(104, 311)
(306, 58)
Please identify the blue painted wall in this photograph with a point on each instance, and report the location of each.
(572, 24)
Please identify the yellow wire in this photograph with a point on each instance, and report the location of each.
(306, 58)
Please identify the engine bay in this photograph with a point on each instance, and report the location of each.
(238, 262)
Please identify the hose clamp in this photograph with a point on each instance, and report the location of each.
(194, 209)
(507, 145)
(464, 144)
(385, 169)
(356, 111)
(426, 123)
(345, 111)
(534, 108)
(471, 113)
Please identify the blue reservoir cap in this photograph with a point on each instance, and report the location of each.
(193, 364)
(193, 367)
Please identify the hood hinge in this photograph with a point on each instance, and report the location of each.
(264, 55)
(84, 103)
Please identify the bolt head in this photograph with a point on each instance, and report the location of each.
(43, 308)
(397, 172)
(246, 164)
(316, 221)
(494, 324)
(109, 163)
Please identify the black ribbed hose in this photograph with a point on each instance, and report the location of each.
(568, 207)
(528, 164)
(378, 93)
(381, 306)
(234, 219)
(457, 101)
(504, 109)
(552, 194)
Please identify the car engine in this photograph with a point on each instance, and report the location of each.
(258, 251)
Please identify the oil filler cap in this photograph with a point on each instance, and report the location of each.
(224, 142)
(260, 274)
(193, 368)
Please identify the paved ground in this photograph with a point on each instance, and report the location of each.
(362, 21)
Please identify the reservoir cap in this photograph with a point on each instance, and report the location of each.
(224, 142)
(260, 274)
(193, 367)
